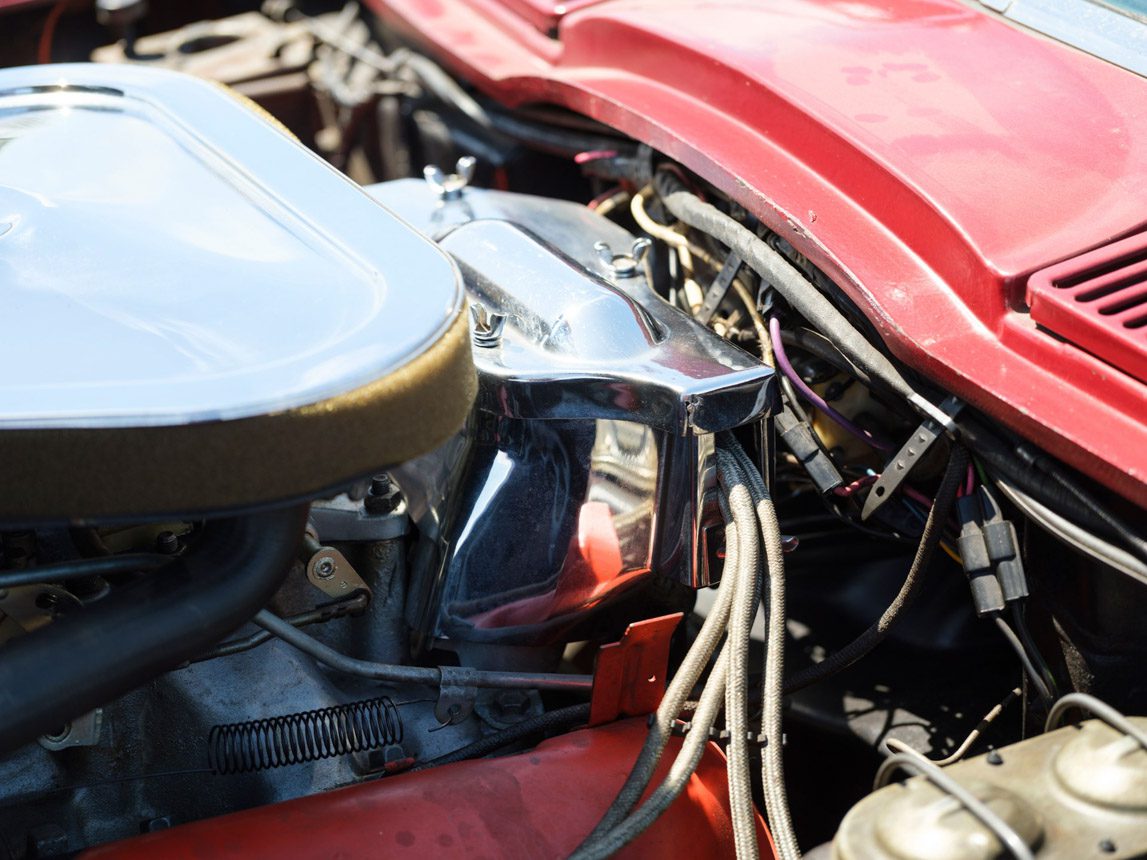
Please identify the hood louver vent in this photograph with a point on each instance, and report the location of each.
(1098, 301)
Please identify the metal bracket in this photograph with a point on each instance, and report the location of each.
(629, 679)
(330, 572)
(83, 731)
(900, 466)
(457, 694)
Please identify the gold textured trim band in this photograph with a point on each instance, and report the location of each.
(217, 466)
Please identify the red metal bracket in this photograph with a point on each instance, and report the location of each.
(629, 679)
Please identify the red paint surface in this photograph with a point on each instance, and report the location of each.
(544, 15)
(1098, 301)
(629, 675)
(925, 154)
(539, 804)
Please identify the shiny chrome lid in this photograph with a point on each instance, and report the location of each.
(168, 257)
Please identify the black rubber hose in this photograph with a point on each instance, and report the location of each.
(1118, 528)
(89, 657)
(562, 719)
(909, 591)
(64, 571)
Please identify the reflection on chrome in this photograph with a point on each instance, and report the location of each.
(587, 469)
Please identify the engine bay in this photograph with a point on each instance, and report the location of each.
(389, 470)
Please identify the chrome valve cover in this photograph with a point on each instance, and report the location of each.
(587, 466)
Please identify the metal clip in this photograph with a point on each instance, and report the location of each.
(457, 694)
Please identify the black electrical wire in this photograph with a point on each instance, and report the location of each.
(559, 720)
(676, 694)
(1072, 534)
(898, 746)
(82, 568)
(620, 825)
(1018, 466)
(1118, 528)
(820, 346)
(557, 141)
(933, 530)
(1025, 659)
(1021, 627)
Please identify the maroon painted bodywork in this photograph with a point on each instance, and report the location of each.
(925, 154)
(539, 804)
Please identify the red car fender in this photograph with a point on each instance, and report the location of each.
(537, 804)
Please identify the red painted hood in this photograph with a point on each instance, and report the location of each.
(926, 154)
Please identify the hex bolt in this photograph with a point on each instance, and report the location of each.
(325, 567)
(167, 543)
(513, 702)
(994, 758)
(382, 497)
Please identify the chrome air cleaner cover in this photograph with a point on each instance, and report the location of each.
(198, 313)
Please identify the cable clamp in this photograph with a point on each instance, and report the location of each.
(758, 739)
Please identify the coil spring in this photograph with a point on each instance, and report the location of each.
(307, 736)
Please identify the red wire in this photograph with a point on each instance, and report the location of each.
(859, 483)
(594, 155)
(605, 195)
(44, 52)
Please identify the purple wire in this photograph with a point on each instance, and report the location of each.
(815, 399)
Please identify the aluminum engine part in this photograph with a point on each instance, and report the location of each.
(1077, 792)
(589, 460)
